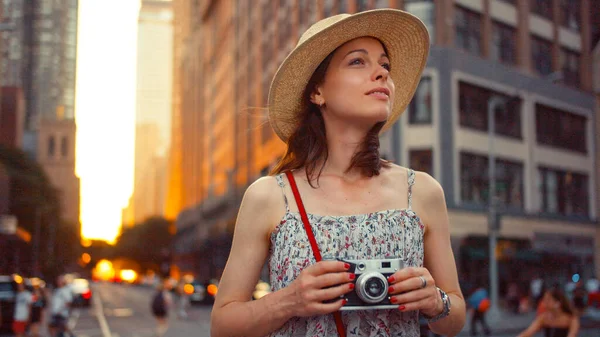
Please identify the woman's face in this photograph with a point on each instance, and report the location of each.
(357, 84)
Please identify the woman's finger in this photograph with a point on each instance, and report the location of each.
(327, 308)
(332, 293)
(411, 296)
(413, 283)
(425, 303)
(332, 279)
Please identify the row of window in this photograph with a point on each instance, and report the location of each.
(569, 12)
(64, 146)
(561, 192)
(554, 127)
(469, 26)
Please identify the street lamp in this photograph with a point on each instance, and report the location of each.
(493, 223)
(493, 218)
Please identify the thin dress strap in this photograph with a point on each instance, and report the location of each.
(411, 182)
(281, 184)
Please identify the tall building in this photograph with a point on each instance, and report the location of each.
(535, 55)
(40, 58)
(153, 110)
(150, 182)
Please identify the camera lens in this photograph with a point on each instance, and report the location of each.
(371, 287)
(374, 287)
(361, 266)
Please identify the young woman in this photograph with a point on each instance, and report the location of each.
(348, 79)
(558, 318)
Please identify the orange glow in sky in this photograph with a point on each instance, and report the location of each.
(105, 112)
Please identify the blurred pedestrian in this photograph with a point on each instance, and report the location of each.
(60, 308)
(161, 302)
(536, 288)
(558, 318)
(23, 301)
(183, 301)
(579, 297)
(513, 297)
(479, 304)
(349, 79)
(37, 309)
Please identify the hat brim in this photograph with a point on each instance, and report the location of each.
(404, 36)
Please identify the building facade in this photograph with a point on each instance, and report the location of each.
(39, 59)
(153, 111)
(534, 54)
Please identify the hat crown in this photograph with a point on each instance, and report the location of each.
(321, 25)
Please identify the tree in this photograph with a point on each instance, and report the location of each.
(145, 242)
(33, 200)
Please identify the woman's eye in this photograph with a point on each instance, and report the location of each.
(356, 61)
(386, 66)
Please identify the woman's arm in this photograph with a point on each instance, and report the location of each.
(535, 326)
(430, 204)
(574, 326)
(234, 313)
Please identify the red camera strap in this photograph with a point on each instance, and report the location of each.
(313, 243)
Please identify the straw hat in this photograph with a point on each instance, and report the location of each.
(404, 36)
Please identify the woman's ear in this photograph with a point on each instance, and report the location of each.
(316, 97)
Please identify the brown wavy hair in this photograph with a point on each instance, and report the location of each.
(559, 295)
(307, 145)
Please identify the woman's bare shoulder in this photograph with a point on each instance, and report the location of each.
(263, 199)
(263, 190)
(425, 186)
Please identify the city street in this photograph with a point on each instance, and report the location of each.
(124, 311)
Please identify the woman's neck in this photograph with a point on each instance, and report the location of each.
(341, 147)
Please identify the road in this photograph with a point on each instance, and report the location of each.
(124, 311)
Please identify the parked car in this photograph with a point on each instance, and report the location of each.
(82, 293)
(204, 292)
(8, 287)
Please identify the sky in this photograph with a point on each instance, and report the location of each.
(105, 112)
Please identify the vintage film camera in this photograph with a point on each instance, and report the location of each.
(370, 284)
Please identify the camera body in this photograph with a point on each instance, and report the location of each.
(371, 284)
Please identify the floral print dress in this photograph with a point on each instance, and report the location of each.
(383, 234)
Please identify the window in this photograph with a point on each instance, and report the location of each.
(542, 7)
(267, 48)
(51, 146)
(541, 55)
(422, 160)
(569, 61)
(420, 108)
(473, 103)
(64, 147)
(328, 7)
(503, 43)
(382, 3)
(284, 29)
(424, 10)
(468, 30)
(563, 192)
(362, 5)
(306, 13)
(570, 14)
(560, 129)
(475, 183)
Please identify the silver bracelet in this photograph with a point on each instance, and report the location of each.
(445, 312)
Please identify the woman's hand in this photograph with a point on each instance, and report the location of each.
(414, 289)
(323, 281)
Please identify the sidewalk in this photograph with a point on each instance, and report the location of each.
(509, 323)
